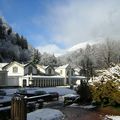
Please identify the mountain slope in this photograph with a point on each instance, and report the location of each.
(12, 45)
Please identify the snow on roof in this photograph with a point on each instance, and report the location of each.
(63, 67)
(42, 66)
(45, 114)
(39, 76)
(77, 69)
(79, 77)
(3, 64)
(22, 65)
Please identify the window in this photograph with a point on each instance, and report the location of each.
(15, 69)
(30, 70)
(60, 71)
(67, 73)
(72, 72)
(24, 82)
(49, 71)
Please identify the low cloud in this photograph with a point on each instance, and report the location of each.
(51, 49)
(80, 21)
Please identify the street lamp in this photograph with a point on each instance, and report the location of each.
(30, 80)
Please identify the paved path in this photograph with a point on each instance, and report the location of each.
(72, 113)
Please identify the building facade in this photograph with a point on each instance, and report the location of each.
(16, 74)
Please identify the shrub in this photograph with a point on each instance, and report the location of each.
(85, 93)
(107, 93)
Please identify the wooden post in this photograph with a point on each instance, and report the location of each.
(18, 108)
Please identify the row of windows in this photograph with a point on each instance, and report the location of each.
(30, 70)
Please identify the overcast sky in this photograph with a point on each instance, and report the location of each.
(57, 26)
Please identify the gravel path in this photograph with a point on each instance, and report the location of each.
(79, 114)
(72, 113)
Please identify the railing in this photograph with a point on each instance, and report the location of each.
(19, 105)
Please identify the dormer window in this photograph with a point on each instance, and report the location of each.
(15, 69)
(30, 70)
(49, 71)
(72, 72)
(60, 71)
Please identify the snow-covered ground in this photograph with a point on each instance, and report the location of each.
(10, 92)
(82, 106)
(5, 99)
(61, 90)
(45, 114)
(107, 117)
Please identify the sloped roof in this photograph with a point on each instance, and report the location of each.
(22, 65)
(63, 66)
(2, 65)
(25, 65)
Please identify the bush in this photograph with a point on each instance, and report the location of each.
(85, 93)
(107, 93)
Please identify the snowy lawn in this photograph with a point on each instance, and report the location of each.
(10, 92)
(5, 99)
(82, 106)
(45, 114)
(107, 117)
(61, 90)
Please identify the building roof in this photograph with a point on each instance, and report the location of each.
(63, 66)
(22, 65)
(2, 65)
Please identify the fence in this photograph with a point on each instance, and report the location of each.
(20, 104)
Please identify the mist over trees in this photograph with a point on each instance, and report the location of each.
(45, 59)
(98, 56)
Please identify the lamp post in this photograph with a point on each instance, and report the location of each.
(30, 80)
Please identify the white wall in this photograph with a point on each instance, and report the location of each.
(13, 81)
(20, 70)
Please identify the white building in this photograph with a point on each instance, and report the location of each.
(16, 74)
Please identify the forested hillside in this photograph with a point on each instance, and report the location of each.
(98, 56)
(12, 45)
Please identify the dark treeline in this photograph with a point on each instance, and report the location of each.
(13, 47)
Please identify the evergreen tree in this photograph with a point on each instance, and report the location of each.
(85, 93)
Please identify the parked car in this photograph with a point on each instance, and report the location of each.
(2, 93)
(30, 93)
(54, 95)
(39, 92)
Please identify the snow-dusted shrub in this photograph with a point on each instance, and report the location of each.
(106, 93)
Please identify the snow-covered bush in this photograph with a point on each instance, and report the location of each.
(106, 93)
